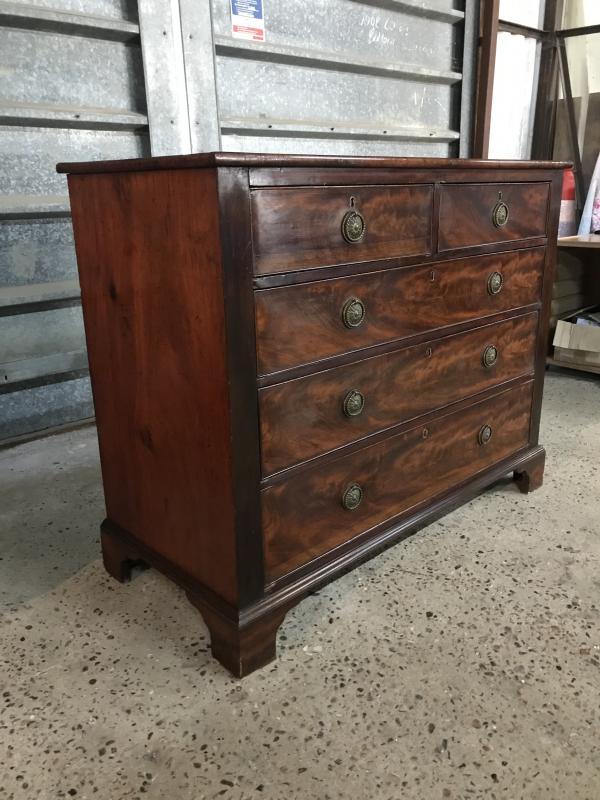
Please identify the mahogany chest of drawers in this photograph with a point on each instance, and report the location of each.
(298, 360)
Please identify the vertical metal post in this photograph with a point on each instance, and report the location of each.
(469, 68)
(200, 74)
(164, 74)
(487, 61)
(571, 123)
(547, 93)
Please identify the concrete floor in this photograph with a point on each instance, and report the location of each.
(463, 663)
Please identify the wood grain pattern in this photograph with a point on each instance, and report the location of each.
(303, 518)
(532, 476)
(158, 366)
(240, 645)
(300, 228)
(236, 259)
(466, 213)
(303, 418)
(548, 280)
(303, 324)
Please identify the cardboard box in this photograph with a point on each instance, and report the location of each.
(577, 345)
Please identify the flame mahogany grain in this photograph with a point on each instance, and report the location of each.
(466, 213)
(303, 323)
(303, 517)
(300, 228)
(303, 418)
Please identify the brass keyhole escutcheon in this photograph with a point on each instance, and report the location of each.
(352, 497)
(353, 312)
(495, 283)
(490, 356)
(353, 224)
(485, 434)
(354, 403)
(500, 213)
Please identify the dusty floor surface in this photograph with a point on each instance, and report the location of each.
(462, 663)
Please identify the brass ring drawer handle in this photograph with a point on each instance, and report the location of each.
(495, 283)
(353, 224)
(485, 434)
(353, 312)
(352, 497)
(354, 403)
(490, 356)
(500, 212)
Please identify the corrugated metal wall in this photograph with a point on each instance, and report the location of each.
(345, 77)
(92, 79)
(71, 87)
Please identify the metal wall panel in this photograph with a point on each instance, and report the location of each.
(42, 407)
(35, 253)
(71, 87)
(115, 9)
(40, 67)
(29, 155)
(343, 77)
(361, 32)
(43, 333)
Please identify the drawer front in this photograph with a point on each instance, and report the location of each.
(472, 214)
(304, 517)
(303, 418)
(308, 322)
(300, 228)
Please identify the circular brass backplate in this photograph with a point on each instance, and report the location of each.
(353, 312)
(495, 283)
(352, 497)
(485, 434)
(353, 226)
(500, 214)
(354, 403)
(490, 356)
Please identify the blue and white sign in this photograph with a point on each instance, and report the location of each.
(248, 20)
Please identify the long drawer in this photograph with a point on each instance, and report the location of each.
(307, 322)
(313, 227)
(302, 418)
(321, 508)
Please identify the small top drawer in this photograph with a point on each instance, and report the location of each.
(486, 213)
(311, 227)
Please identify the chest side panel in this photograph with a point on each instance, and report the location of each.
(150, 271)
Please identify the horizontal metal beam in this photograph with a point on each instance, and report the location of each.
(301, 130)
(47, 20)
(418, 10)
(38, 115)
(237, 48)
(28, 372)
(38, 293)
(34, 206)
(53, 430)
(521, 30)
(586, 30)
(38, 306)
